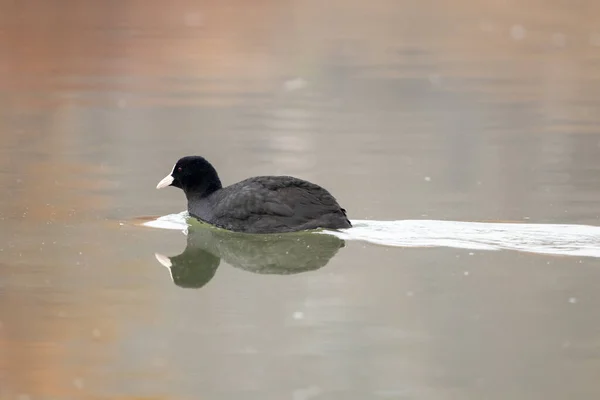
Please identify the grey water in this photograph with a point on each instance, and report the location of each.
(463, 140)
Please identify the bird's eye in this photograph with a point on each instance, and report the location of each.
(179, 169)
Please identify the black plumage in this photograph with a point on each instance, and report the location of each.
(262, 204)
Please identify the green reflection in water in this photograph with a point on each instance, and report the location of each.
(281, 254)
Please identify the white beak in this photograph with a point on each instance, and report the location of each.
(166, 181)
(163, 260)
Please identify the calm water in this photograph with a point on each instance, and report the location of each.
(479, 112)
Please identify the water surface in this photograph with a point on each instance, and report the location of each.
(422, 119)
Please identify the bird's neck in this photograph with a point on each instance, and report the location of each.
(203, 189)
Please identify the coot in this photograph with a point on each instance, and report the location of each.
(263, 204)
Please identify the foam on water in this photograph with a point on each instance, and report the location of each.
(176, 222)
(558, 239)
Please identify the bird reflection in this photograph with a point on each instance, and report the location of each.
(281, 254)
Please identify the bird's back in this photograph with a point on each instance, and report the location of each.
(265, 204)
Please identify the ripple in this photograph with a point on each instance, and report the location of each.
(556, 239)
